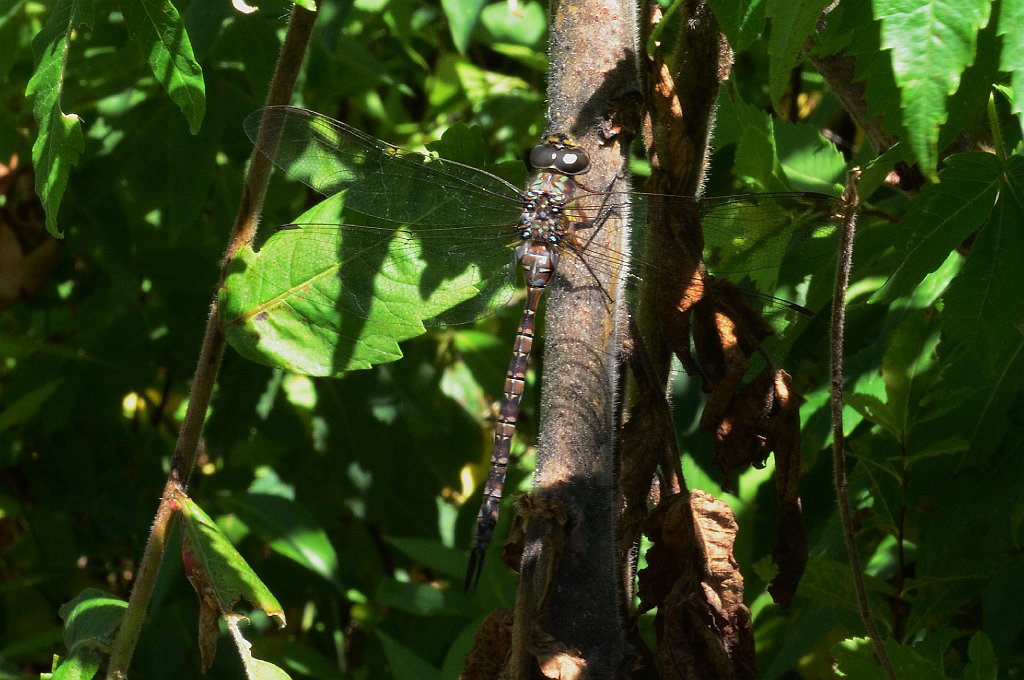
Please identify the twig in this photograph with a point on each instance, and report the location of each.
(848, 226)
(300, 28)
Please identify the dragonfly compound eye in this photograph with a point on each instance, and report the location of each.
(543, 156)
(572, 161)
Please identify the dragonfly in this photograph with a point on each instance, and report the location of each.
(445, 223)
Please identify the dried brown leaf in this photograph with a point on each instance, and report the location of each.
(556, 660)
(790, 550)
(692, 577)
(486, 659)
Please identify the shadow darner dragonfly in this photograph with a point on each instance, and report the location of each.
(449, 235)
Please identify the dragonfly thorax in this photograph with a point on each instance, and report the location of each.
(543, 218)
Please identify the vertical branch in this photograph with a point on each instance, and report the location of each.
(836, 329)
(300, 28)
(569, 593)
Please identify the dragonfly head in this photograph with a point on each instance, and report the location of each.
(560, 152)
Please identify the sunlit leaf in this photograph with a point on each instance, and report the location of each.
(1011, 56)
(462, 17)
(925, 75)
(292, 305)
(216, 569)
(289, 529)
(156, 28)
(60, 141)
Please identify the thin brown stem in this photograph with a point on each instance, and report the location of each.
(300, 29)
(901, 555)
(842, 282)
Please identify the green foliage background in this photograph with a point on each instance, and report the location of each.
(353, 499)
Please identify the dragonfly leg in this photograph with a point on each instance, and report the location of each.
(603, 213)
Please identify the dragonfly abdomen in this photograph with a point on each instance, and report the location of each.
(538, 263)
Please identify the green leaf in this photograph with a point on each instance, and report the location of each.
(405, 663)
(82, 663)
(809, 161)
(856, 659)
(90, 622)
(481, 85)
(909, 357)
(523, 25)
(289, 530)
(968, 106)
(983, 305)
(60, 141)
(264, 670)
(829, 582)
(216, 569)
(92, 617)
(908, 663)
(255, 669)
(984, 417)
(423, 599)
(462, 143)
(742, 21)
(27, 405)
(432, 555)
(944, 216)
(324, 301)
(792, 24)
(873, 67)
(757, 160)
(156, 27)
(462, 17)
(983, 664)
(931, 44)
(1011, 57)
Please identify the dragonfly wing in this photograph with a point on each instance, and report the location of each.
(378, 179)
(768, 243)
(773, 238)
(322, 299)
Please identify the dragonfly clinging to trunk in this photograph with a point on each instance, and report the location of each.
(454, 233)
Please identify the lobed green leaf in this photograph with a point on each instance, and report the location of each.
(944, 216)
(932, 43)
